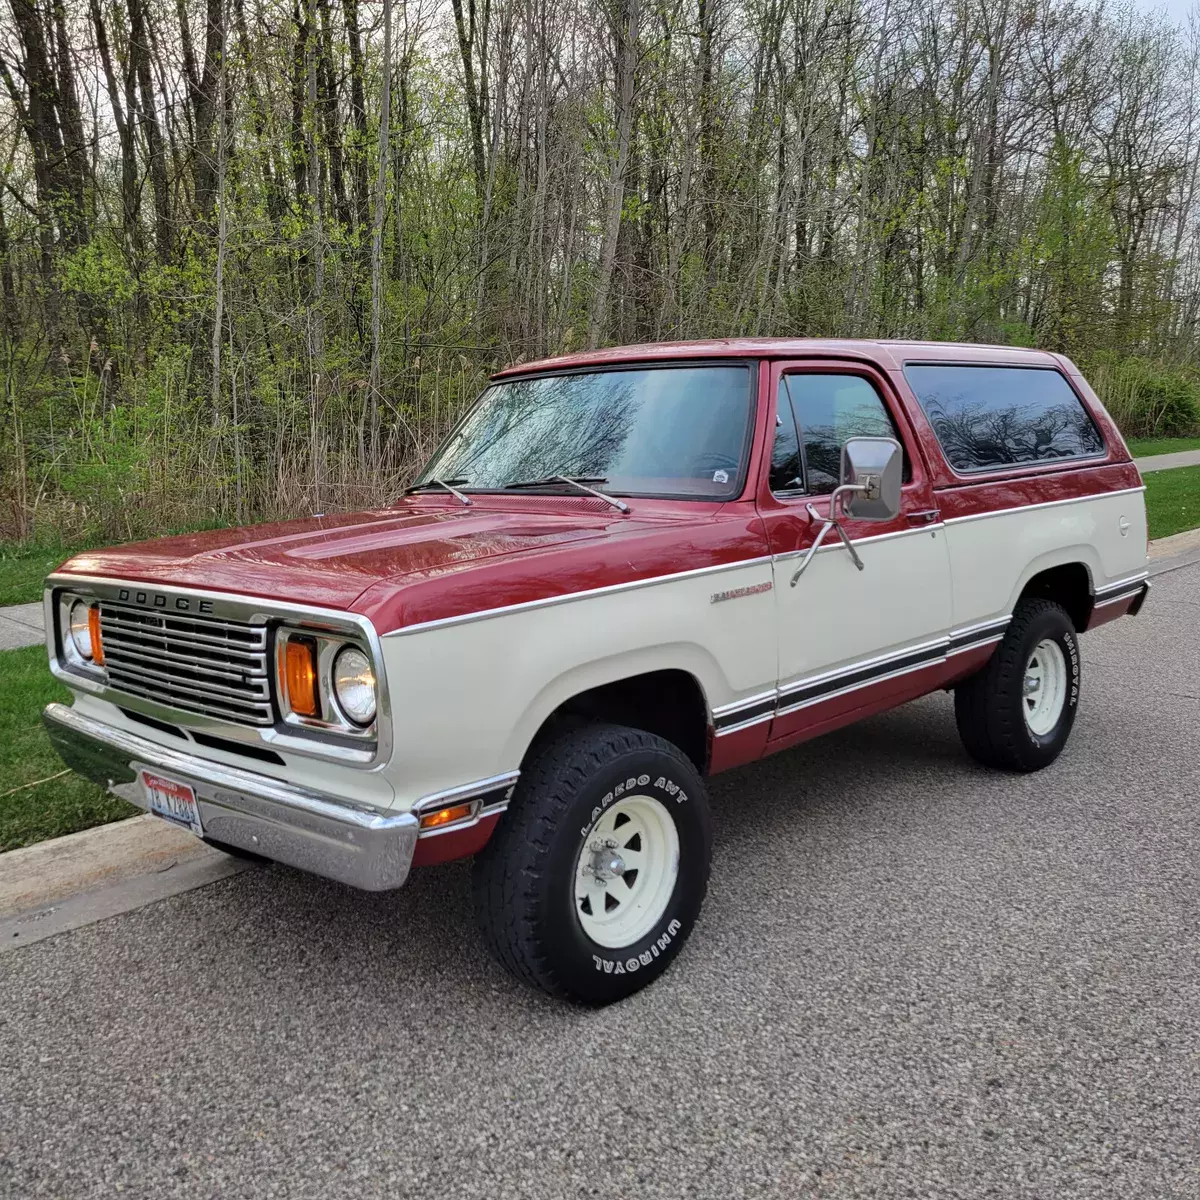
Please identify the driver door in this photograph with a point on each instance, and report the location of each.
(849, 641)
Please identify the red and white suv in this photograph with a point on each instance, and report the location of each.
(623, 571)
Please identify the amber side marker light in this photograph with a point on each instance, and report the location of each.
(94, 633)
(444, 816)
(300, 675)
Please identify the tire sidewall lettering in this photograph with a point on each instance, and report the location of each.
(631, 963)
(672, 792)
(1071, 646)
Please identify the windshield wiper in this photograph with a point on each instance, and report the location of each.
(447, 484)
(577, 481)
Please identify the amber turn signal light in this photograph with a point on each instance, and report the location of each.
(94, 634)
(445, 816)
(300, 676)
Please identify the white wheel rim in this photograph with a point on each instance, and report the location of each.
(626, 871)
(1045, 687)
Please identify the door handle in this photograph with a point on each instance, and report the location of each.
(927, 516)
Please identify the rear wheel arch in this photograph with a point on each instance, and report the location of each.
(1068, 584)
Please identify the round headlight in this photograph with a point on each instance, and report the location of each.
(81, 634)
(354, 685)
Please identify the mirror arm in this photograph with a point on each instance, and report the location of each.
(830, 522)
(858, 562)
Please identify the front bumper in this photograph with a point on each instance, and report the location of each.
(310, 830)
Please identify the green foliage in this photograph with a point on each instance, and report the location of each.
(820, 182)
(1148, 399)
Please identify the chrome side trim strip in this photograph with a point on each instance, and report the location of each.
(812, 689)
(1003, 512)
(974, 645)
(864, 663)
(1129, 584)
(505, 610)
(864, 541)
(808, 702)
(610, 589)
(466, 791)
(724, 710)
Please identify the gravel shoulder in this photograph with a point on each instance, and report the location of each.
(912, 977)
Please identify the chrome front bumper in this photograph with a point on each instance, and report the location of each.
(294, 825)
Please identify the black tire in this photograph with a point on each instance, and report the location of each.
(523, 881)
(990, 706)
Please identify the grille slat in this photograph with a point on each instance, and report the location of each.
(248, 638)
(167, 653)
(196, 664)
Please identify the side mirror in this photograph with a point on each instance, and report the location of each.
(871, 471)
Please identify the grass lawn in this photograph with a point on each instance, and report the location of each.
(1173, 501)
(59, 803)
(1144, 447)
(22, 570)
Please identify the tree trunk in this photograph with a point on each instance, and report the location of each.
(625, 36)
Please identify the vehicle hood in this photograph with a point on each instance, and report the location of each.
(332, 560)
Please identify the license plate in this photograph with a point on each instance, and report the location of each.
(174, 802)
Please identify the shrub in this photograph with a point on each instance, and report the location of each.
(1148, 399)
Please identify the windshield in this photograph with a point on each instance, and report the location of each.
(659, 431)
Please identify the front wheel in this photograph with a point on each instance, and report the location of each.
(1018, 711)
(595, 876)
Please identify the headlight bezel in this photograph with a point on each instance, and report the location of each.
(66, 645)
(331, 718)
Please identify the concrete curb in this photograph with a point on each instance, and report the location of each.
(134, 892)
(43, 873)
(1171, 553)
(70, 881)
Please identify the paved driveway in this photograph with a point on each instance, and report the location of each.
(913, 978)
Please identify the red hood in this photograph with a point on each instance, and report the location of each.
(332, 560)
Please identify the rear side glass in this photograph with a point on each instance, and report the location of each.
(987, 417)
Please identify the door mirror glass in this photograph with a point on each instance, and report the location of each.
(873, 466)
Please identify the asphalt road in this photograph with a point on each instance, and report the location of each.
(912, 978)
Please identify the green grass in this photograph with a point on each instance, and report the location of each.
(56, 803)
(1145, 447)
(22, 569)
(1172, 501)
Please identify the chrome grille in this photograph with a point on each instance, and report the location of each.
(197, 664)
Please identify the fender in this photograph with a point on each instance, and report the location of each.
(691, 659)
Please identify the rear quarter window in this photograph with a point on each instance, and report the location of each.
(988, 417)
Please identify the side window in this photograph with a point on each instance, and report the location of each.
(988, 417)
(829, 409)
(787, 471)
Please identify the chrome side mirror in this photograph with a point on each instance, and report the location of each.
(871, 474)
(872, 470)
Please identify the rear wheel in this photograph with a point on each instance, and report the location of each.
(596, 874)
(1018, 711)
